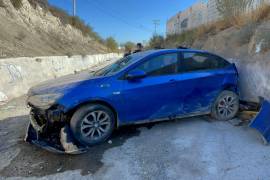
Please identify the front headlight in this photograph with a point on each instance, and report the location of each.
(43, 101)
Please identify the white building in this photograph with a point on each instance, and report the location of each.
(202, 12)
(212, 11)
(194, 16)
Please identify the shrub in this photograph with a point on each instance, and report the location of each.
(261, 13)
(157, 42)
(17, 4)
(79, 24)
(76, 22)
(59, 13)
(129, 46)
(111, 44)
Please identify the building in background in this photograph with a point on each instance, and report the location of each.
(202, 12)
(192, 17)
(212, 11)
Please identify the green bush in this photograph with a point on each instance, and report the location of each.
(157, 42)
(111, 44)
(17, 4)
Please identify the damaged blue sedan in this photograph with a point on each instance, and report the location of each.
(149, 86)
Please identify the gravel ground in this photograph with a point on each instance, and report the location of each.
(195, 148)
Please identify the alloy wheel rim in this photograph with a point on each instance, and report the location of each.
(95, 125)
(227, 106)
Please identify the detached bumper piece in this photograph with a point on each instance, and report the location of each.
(261, 122)
(57, 140)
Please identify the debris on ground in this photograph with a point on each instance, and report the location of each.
(59, 169)
(236, 122)
(261, 122)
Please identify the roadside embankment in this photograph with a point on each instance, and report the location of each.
(254, 79)
(19, 74)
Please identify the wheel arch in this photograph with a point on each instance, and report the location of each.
(96, 101)
(231, 87)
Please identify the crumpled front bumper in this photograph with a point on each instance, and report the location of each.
(261, 123)
(57, 140)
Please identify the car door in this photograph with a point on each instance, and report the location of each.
(201, 81)
(152, 97)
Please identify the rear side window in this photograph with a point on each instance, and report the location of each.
(201, 61)
(161, 65)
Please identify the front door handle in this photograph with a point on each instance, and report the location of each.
(172, 80)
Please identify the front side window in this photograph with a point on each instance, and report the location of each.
(115, 67)
(201, 61)
(161, 65)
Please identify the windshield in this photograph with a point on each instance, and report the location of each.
(115, 67)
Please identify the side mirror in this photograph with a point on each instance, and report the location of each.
(135, 74)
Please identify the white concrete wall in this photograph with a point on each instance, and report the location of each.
(17, 75)
(254, 79)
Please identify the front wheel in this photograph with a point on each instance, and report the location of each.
(226, 106)
(92, 124)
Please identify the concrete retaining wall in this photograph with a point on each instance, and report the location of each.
(17, 75)
(254, 79)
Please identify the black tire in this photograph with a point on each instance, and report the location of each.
(226, 106)
(83, 123)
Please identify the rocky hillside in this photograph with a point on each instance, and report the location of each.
(32, 28)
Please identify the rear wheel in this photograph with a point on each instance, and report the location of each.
(226, 106)
(92, 124)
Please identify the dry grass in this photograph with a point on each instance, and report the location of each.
(42, 3)
(256, 16)
(262, 13)
(247, 24)
(76, 22)
(59, 13)
(17, 4)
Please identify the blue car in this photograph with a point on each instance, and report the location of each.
(149, 86)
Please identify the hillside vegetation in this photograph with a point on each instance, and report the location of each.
(238, 36)
(35, 28)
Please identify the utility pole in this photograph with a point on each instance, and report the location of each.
(74, 8)
(156, 23)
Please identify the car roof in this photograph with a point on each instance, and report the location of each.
(143, 54)
(149, 52)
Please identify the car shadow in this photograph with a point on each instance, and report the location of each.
(33, 161)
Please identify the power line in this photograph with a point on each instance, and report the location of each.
(112, 15)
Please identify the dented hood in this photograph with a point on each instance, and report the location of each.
(62, 84)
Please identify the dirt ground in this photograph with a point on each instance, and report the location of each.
(195, 148)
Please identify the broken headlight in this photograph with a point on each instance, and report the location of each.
(44, 101)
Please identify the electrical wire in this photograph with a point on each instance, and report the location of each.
(117, 17)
